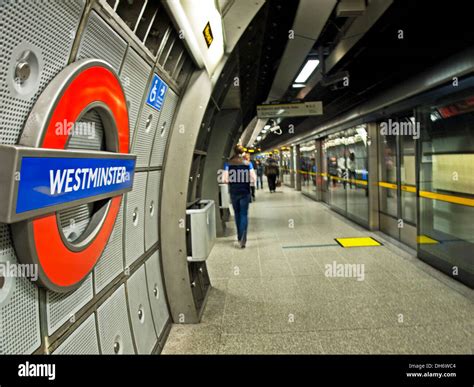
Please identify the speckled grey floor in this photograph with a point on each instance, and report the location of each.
(270, 299)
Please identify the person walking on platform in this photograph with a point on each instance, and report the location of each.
(250, 162)
(259, 168)
(271, 171)
(239, 175)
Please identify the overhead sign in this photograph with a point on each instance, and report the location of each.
(41, 177)
(300, 109)
(47, 182)
(208, 36)
(157, 93)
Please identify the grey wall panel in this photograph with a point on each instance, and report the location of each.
(114, 327)
(19, 306)
(134, 77)
(135, 220)
(140, 312)
(163, 129)
(156, 293)
(46, 28)
(110, 264)
(101, 42)
(146, 130)
(152, 209)
(61, 307)
(83, 341)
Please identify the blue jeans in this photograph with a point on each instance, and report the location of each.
(240, 203)
(259, 181)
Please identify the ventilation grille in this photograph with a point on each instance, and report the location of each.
(143, 329)
(145, 134)
(134, 232)
(101, 42)
(152, 209)
(83, 341)
(87, 134)
(19, 307)
(134, 77)
(61, 307)
(156, 293)
(114, 327)
(52, 26)
(163, 129)
(110, 264)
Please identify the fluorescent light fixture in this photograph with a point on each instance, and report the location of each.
(307, 70)
(259, 138)
(298, 85)
(281, 111)
(266, 127)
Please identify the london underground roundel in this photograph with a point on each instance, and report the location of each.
(50, 177)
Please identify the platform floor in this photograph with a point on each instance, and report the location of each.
(274, 297)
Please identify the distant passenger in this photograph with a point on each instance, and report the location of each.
(351, 167)
(247, 159)
(259, 168)
(239, 175)
(271, 171)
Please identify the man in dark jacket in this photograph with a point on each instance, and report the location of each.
(240, 175)
(271, 171)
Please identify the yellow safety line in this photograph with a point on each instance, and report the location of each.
(447, 198)
(387, 185)
(407, 188)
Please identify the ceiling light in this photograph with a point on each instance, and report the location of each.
(298, 85)
(307, 70)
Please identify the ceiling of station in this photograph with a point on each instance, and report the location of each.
(381, 59)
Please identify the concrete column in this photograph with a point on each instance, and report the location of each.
(297, 167)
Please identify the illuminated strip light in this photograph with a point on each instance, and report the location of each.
(307, 70)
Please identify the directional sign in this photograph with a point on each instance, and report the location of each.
(157, 93)
(301, 109)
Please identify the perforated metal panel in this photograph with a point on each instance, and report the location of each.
(19, 306)
(47, 29)
(135, 220)
(83, 341)
(88, 134)
(61, 307)
(114, 328)
(163, 129)
(152, 209)
(156, 293)
(140, 312)
(134, 77)
(99, 41)
(143, 141)
(110, 264)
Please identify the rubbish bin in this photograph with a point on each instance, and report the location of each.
(202, 229)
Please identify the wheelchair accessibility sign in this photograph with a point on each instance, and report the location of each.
(157, 93)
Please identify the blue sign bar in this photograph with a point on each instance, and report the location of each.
(48, 181)
(157, 93)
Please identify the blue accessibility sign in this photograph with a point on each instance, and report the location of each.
(157, 93)
(45, 182)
